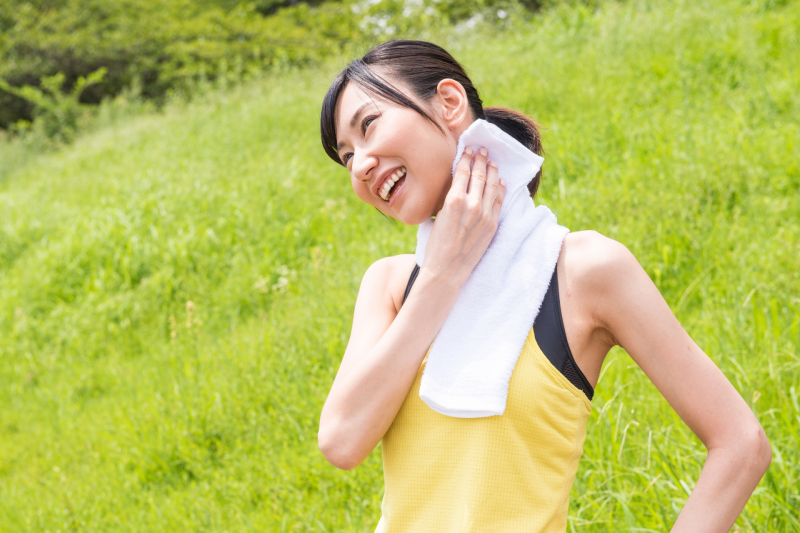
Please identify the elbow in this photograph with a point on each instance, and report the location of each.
(337, 450)
(762, 451)
(756, 452)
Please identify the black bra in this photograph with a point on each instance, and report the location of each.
(548, 328)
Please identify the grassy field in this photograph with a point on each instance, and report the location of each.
(176, 289)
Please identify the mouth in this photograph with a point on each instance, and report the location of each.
(390, 184)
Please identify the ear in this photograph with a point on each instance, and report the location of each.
(452, 104)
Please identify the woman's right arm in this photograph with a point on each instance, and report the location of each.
(386, 347)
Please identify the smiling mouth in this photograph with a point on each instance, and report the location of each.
(389, 187)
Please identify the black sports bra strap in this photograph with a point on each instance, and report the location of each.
(548, 328)
(411, 281)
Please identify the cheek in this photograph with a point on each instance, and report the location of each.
(430, 156)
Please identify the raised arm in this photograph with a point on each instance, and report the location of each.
(630, 308)
(387, 346)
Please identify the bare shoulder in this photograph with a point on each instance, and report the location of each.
(590, 254)
(593, 262)
(593, 272)
(389, 276)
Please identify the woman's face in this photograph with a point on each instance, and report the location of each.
(398, 160)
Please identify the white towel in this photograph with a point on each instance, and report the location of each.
(472, 358)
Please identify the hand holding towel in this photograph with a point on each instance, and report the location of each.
(472, 358)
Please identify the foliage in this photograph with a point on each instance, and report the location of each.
(162, 46)
(176, 291)
(58, 112)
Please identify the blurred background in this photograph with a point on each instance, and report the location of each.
(179, 259)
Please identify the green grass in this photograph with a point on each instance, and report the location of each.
(672, 127)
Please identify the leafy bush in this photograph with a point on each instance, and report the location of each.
(166, 47)
(57, 111)
(163, 46)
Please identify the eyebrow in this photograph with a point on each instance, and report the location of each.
(353, 121)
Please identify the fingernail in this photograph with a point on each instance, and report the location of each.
(492, 164)
(468, 150)
(484, 152)
(502, 182)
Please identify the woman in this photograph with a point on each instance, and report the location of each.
(393, 119)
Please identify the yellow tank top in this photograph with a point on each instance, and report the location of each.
(505, 474)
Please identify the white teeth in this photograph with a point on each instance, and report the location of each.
(387, 186)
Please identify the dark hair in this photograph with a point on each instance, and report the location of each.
(421, 66)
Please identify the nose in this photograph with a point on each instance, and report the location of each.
(363, 164)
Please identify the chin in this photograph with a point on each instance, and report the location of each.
(412, 219)
(416, 205)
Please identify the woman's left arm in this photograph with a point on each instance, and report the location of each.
(629, 307)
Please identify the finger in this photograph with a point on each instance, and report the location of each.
(477, 180)
(492, 187)
(461, 175)
(498, 202)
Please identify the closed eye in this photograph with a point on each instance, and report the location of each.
(366, 122)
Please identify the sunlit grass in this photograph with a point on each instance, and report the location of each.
(176, 290)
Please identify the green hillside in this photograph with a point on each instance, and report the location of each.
(176, 289)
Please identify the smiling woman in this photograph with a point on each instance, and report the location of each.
(371, 126)
(394, 119)
(406, 112)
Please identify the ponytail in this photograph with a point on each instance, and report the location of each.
(522, 128)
